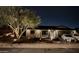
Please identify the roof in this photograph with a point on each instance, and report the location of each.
(42, 27)
(53, 27)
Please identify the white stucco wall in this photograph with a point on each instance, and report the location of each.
(38, 33)
(28, 33)
(54, 34)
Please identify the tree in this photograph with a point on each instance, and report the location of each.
(18, 19)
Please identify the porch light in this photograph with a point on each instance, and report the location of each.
(49, 30)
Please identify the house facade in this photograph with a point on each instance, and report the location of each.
(47, 32)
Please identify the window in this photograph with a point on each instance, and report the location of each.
(76, 35)
(32, 32)
(68, 35)
(44, 32)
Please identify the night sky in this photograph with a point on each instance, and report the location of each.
(58, 15)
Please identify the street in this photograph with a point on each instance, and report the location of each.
(39, 48)
(36, 50)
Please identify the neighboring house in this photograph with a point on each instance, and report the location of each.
(77, 30)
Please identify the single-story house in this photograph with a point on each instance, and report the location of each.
(49, 32)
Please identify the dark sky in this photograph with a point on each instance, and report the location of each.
(58, 15)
